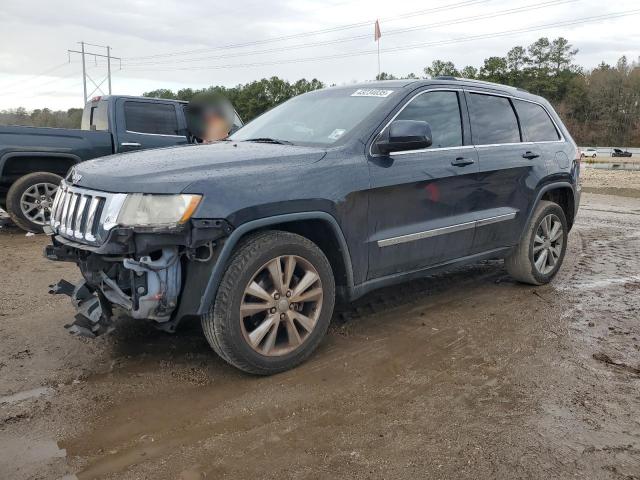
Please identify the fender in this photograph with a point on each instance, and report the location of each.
(9, 155)
(221, 262)
(542, 191)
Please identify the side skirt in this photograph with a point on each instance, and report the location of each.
(370, 285)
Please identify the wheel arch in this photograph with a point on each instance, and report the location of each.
(562, 193)
(312, 225)
(14, 165)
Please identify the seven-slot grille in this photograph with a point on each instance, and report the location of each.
(84, 215)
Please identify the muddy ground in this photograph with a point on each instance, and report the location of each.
(463, 375)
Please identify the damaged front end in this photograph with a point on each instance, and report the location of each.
(144, 288)
(147, 273)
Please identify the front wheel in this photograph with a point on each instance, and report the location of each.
(273, 305)
(30, 198)
(540, 253)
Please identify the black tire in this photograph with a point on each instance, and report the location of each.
(222, 325)
(520, 263)
(15, 193)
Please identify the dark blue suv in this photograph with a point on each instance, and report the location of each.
(327, 196)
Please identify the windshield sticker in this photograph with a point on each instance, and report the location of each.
(371, 92)
(337, 133)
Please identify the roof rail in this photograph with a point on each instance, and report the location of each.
(480, 82)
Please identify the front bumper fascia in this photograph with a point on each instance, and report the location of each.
(95, 296)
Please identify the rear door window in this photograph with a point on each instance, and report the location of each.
(493, 120)
(441, 110)
(535, 122)
(147, 117)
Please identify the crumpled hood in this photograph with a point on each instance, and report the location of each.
(172, 170)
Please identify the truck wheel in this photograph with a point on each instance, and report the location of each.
(30, 198)
(273, 305)
(538, 257)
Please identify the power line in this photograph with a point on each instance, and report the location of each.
(48, 82)
(34, 76)
(442, 8)
(584, 20)
(56, 80)
(510, 11)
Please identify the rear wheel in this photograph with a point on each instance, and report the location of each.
(538, 257)
(273, 305)
(30, 198)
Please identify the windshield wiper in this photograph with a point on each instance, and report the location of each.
(269, 140)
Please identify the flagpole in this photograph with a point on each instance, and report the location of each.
(378, 58)
(376, 36)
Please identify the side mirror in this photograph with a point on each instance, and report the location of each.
(405, 135)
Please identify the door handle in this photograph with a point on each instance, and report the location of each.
(462, 162)
(530, 155)
(130, 144)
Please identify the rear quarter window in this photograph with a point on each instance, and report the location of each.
(147, 117)
(493, 120)
(535, 122)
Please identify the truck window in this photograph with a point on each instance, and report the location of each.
(535, 121)
(154, 118)
(95, 117)
(493, 120)
(441, 111)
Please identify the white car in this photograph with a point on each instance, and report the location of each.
(589, 152)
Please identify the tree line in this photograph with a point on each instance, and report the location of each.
(599, 106)
(44, 117)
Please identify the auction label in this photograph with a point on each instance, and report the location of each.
(371, 92)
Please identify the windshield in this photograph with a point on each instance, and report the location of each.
(318, 118)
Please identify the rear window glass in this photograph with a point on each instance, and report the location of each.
(147, 117)
(441, 110)
(95, 117)
(535, 121)
(493, 120)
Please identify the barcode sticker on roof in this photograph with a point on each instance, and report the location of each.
(371, 92)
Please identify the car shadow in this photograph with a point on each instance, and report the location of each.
(133, 338)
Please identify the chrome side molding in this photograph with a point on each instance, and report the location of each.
(387, 242)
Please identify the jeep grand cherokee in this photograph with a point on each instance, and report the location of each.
(327, 196)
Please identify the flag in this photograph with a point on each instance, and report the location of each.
(376, 33)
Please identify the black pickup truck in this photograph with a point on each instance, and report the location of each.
(33, 160)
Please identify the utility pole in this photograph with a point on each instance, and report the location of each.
(109, 67)
(84, 74)
(98, 86)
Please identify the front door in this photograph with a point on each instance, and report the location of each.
(420, 208)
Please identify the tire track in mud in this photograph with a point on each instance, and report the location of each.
(462, 375)
(593, 423)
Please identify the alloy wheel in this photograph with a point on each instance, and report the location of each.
(36, 202)
(547, 244)
(281, 305)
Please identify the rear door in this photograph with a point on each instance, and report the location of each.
(509, 170)
(143, 124)
(420, 202)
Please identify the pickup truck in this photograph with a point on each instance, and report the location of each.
(33, 160)
(324, 198)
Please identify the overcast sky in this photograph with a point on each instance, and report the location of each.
(194, 43)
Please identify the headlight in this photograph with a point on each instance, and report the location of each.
(144, 210)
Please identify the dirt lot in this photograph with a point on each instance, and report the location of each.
(464, 375)
(611, 182)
